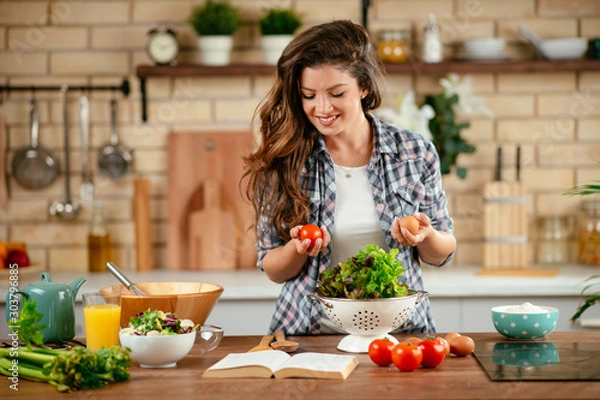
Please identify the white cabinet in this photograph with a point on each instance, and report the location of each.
(473, 314)
(243, 317)
(461, 299)
(466, 314)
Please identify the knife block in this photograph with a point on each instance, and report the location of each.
(505, 226)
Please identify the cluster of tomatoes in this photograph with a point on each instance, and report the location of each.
(414, 352)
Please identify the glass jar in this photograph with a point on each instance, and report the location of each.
(394, 46)
(553, 240)
(589, 232)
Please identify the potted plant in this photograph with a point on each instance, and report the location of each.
(277, 26)
(215, 22)
(436, 119)
(591, 292)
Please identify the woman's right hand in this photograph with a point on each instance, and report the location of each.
(302, 246)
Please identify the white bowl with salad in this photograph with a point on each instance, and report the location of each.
(158, 339)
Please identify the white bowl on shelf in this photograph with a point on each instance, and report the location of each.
(564, 48)
(485, 47)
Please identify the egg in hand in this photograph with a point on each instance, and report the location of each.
(410, 223)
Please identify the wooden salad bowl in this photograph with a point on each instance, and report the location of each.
(190, 300)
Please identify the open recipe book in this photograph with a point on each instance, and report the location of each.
(278, 364)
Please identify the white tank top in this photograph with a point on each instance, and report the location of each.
(356, 221)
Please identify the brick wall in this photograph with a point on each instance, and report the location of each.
(554, 116)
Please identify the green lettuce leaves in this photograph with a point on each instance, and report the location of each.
(371, 274)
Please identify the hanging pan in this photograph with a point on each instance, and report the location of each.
(35, 167)
(114, 160)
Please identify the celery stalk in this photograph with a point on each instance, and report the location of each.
(26, 371)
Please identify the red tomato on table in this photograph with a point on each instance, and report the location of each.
(407, 357)
(434, 352)
(380, 351)
(312, 232)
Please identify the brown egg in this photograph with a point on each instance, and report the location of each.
(462, 346)
(413, 340)
(451, 335)
(445, 343)
(410, 223)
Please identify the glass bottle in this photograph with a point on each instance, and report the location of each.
(553, 240)
(99, 248)
(589, 232)
(432, 44)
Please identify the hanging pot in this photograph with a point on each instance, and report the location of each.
(34, 166)
(114, 160)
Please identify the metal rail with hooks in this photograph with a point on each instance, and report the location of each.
(124, 88)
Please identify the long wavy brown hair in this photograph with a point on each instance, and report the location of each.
(287, 136)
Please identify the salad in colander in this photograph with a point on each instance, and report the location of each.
(158, 323)
(371, 274)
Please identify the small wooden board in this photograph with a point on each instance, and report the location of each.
(517, 272)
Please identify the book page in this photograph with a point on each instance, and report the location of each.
(259, 364)
(318, 365)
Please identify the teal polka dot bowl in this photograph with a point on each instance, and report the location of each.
(524, 325)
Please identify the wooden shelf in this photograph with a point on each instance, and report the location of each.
(204, 70)
(191, 70)
(403, 68)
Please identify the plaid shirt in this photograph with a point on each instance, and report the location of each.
(405, 177)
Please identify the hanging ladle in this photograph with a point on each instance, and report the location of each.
(66, 210)
(114, 160)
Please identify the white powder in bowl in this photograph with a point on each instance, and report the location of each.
(526, 308)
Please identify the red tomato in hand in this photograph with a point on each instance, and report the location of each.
(380, 351)
(407, 357)
(434, 352)
(312, 232)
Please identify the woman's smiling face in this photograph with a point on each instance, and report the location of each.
(331, 99)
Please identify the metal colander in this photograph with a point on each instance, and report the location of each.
(369, 318)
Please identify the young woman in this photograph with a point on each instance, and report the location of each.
(325, 159)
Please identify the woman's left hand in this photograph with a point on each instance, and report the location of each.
(405, 238)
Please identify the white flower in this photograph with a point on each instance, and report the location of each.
(410, 116)
(468, 103)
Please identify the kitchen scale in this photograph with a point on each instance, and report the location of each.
(539, 360)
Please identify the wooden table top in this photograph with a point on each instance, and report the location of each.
(455, 378)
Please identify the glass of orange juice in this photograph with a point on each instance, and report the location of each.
(101, 316)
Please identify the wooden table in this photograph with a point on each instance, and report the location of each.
(455, 378)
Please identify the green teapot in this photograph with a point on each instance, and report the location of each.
(56, 301)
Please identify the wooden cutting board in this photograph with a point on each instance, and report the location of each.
(193, 159)
(211, 231)
(143, 225)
